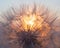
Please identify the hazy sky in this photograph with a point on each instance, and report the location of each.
(5, 4)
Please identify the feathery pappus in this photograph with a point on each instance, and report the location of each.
(30, 27)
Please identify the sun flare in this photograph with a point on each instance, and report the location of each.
(31, 22)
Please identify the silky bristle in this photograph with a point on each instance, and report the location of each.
(29, 27)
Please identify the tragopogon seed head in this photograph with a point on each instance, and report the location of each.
(29, 27)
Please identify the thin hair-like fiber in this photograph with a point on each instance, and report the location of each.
(14, 35)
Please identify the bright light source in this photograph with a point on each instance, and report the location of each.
(31, 22)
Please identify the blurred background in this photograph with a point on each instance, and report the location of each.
(52, 4)
(5, 4)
